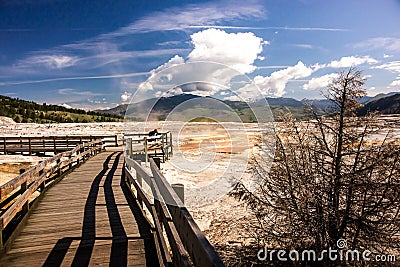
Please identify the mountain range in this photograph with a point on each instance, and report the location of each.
(382, 103)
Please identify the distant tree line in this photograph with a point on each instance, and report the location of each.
(29, 111)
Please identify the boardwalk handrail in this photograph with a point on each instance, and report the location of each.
(20, 189)
(136, 143)
(188, 244)
(56, 143)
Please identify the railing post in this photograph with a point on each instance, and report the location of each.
(54, 143)
(43, 185)
(5, 145)
(139, 180)
(83, 150)
(129, 147)
(170, 142)
(24, 186)
(79, 151)
(145, 150)
(59, 167)
(30, 146)
(180, 191)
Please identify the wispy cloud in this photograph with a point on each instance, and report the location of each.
(273, 67)
(387, 43)
(17, 30)
(267, 28)
(27, 2)
(181, 18)
(169, 43)
(394, 67)
(107, 48)
(126, 75)
(41, 62)
(70, 91)
(34, 30)
(76, 97)
(48, 61)
(120, 56)
(305, 46)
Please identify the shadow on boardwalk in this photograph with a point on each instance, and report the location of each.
(119, 239)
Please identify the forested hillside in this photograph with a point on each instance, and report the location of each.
(28, 111)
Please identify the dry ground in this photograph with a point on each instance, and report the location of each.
(223, 220)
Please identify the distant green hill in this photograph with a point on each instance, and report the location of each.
(29, 111)
(384, 105)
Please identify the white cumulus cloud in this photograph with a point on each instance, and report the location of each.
(236, 50)
(320, 82)
(395, 83)
(275, 83)
(170, 63)
(174, 61)
(125, 97)
(351, 61)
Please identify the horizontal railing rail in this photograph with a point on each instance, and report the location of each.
(159, 145)
(17, 194)
(170, 218)
(42, 144)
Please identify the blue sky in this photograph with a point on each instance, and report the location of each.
(95, 54)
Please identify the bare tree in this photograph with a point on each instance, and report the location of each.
(333, 177)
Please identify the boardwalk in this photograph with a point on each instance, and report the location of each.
(89, 218)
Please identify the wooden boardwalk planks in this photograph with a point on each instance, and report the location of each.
(89, 218)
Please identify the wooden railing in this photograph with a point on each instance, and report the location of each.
(141, 144)
(18, 195)
(169, 217)
(55, 144)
